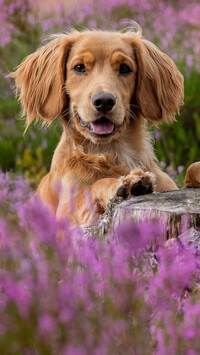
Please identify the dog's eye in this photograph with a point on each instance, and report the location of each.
(80, 68)
(124, 69)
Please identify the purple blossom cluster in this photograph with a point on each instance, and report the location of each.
(13, 19)
(173, 25)
(63, 292)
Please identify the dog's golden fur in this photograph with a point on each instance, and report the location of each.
(109, 151)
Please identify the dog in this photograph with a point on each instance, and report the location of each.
(106, 87)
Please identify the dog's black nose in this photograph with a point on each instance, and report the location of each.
(103, 101)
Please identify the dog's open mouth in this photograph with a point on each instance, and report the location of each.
(102, 126)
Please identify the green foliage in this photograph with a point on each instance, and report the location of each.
(28, 153)
(32, 164)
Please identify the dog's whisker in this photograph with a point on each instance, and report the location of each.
(71, 122)
(66, 111)
(57, 124)
(131, 114)
(136, 106)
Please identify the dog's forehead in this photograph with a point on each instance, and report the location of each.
(101, 43)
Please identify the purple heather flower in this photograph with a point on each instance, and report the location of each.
(47, 324)
(180, 169)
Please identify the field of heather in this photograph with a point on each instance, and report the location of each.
(63, 292)
(79, 295)
(172, 25)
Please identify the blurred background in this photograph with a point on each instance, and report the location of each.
(172, 25)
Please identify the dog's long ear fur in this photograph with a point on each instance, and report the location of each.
(40, 80)
(160, 88)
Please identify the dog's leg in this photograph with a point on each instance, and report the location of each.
(163, 181)
(192, 178)
(136, 183)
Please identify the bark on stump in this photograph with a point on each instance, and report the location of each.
(176, 210)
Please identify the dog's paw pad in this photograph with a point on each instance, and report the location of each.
(137, 189)
(122, 192)
(144, 186)
(136, 183)
(140, 188)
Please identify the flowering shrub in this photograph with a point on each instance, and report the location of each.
(13, 17)
(173, 25)
(168, 24)
(63, 292)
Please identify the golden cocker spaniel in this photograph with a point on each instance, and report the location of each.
(105, 86)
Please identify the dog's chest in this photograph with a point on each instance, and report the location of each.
(124, 154)
(121, 153)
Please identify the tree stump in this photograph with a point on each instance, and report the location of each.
(177, 211)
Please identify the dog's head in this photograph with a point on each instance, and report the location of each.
(99, 81)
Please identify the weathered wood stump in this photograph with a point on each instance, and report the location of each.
(176, 210)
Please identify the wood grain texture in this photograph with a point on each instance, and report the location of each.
(177, 211)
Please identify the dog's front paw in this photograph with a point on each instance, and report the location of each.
(137, 183)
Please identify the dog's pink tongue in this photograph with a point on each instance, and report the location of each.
(102, 126)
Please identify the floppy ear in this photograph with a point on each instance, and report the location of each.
(160, 88)
(40, 80)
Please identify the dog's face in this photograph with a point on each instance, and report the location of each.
(100, 82)
(101, 77)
